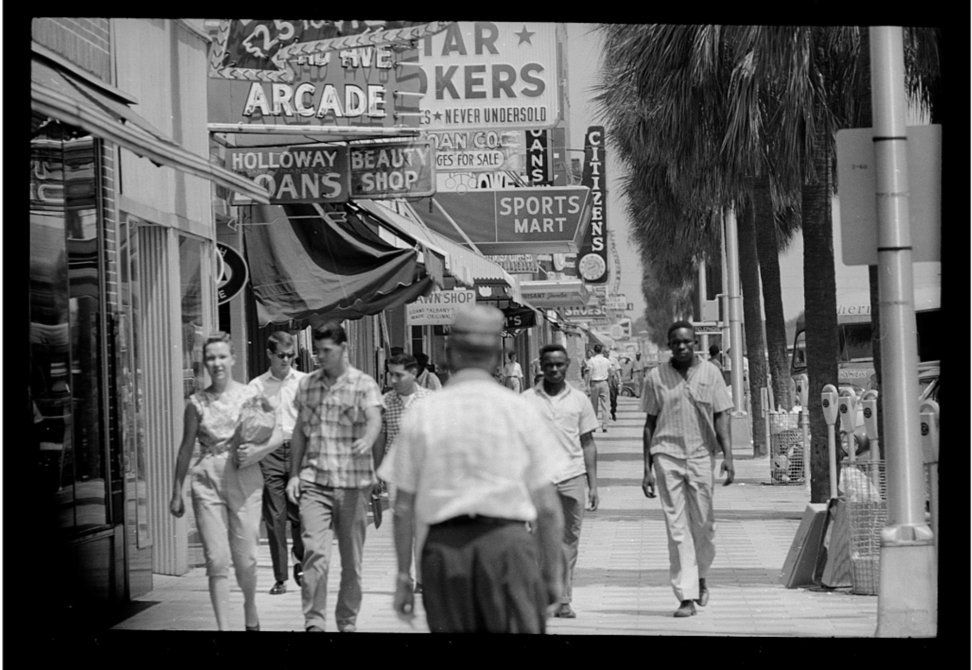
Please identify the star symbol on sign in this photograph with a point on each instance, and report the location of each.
(437, 116)
(525, 36)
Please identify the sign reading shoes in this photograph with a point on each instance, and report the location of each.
(489, 75)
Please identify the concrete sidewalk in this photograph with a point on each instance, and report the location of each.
(621, 583)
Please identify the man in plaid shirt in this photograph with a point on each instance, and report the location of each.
(332, 474)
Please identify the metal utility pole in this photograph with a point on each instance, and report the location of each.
(703, 292)
(907, 590)
(735, 309)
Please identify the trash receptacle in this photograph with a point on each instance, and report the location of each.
(786, 448)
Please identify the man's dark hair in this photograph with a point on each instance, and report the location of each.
(423, 359)
(714, 350)
(332, 330)
(547, 348)
(677, 325)
(408, 362)
(280, 338)
(397, 350)
(597, 348)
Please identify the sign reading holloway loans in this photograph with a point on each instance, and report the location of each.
(439, 308)
(294, 174)
(483, 74)
(392, 169)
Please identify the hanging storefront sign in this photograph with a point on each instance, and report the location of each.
(518, 319)
(490, 75)
(438, 308)
(554, 294)
(592, 257)
(581, 311)
(294, 174)
(251, 81)
(538, 158)
(234, 274)
(476, 150)
(513, 221)
(392, 169)
(266, 50)
(515, 263)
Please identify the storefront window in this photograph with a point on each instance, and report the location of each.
(66, 322)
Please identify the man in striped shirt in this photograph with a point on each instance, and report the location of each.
(688, 417)
(332, 474)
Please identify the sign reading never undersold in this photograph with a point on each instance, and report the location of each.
(294, 174)
(392, 169)
(439, 308)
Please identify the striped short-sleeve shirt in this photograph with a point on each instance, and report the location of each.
(685, 408)
(332, 419)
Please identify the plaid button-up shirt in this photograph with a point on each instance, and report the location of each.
(332, 419)
(395, 410)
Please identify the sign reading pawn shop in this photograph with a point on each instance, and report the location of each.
(438, 308)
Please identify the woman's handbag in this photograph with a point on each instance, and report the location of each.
(257, 421)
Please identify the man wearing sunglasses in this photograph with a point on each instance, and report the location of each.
(279, 385)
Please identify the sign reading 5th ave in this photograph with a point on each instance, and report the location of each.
(489, 75)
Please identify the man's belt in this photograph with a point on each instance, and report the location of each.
(473, 519)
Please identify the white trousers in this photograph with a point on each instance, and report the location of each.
(685, 489)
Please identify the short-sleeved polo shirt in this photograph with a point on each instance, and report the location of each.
(569, 414)
(685, 408)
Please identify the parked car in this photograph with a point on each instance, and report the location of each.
(630, 389)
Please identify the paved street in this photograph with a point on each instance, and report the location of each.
(621, 583)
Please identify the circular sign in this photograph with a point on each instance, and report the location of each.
(592, 267)
(559, 262)
(234, 275)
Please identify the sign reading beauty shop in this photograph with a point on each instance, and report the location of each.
(294, 174)
(500, 76)
(438, 308)
(392, 169)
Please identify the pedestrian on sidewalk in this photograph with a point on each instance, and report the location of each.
(572, 422)
(638, 372)
(600, 373)
(279, 386)
(404, 395)
(614, 382)
(688, 417)
(332, 474)
(470, 463)
(426, 378)
(227, 489)
(513, 374)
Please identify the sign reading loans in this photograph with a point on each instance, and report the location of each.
(439, 308)
(483, 74)
(392, 169)
(294, 174)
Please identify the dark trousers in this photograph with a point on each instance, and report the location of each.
(277, 510)
(482, 576)
(614, 396)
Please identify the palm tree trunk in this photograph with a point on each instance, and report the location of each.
(767, 248)
(752, 322)
(820, 307)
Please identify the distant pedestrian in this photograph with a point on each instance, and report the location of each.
(638, 372)
(715, 356)
(404, 395)
(600, 374)
(687, 408)
(332, 474)
(572, 422)
(614, 383)
(471, 464)
(279, 385)
(513, 374)
(426, 378)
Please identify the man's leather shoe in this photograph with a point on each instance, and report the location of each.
(614, 416)
(565, 612)
(418, 588)
(314, 629)
(703, 598)
(347, 628)
(298, 573)
(278, 588)
(686, 609)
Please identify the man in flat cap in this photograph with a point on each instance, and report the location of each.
(471, 465)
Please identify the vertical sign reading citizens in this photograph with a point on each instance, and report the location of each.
(592, 257)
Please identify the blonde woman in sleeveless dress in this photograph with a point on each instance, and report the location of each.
(225, 485)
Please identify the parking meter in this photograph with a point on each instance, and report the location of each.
(828, 398)
(803, 393)
(929, 430)
(869, 406)
(847, 405)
